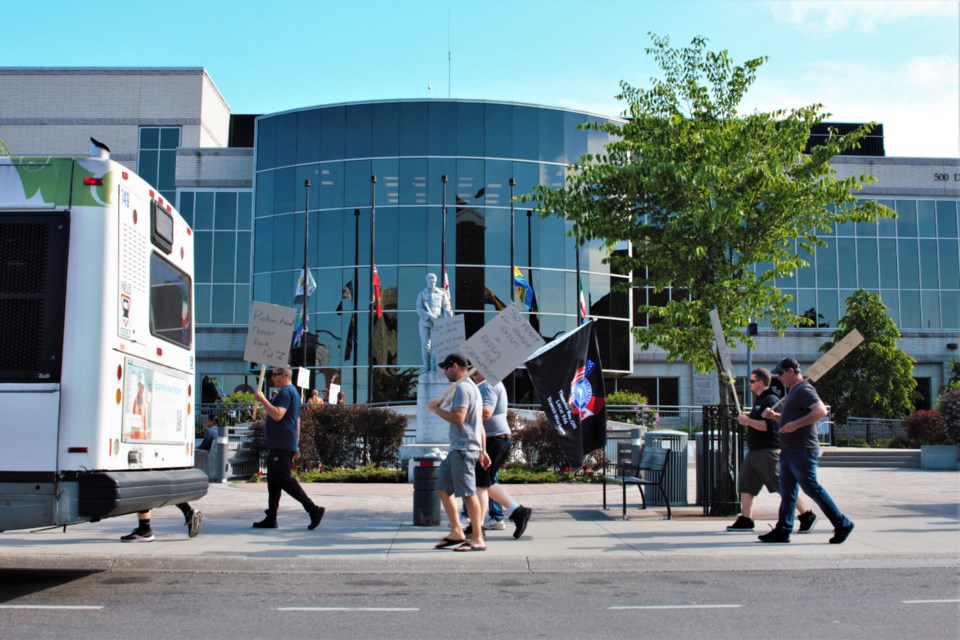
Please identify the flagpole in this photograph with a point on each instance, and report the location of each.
(576, 250)
(373, 230)
(513, 261)
(306, 265)
(443, 231)
(356, 287)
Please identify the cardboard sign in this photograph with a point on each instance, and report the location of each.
(724, 354)
(269, 335)
(834, 355)
(502, 345)
(303, 377)
(334, 396)
(448, 335)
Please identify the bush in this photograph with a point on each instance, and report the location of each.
(538, 444)
(365, 473)
(638, 413)
(949, 408)
(924, 427)
(344, 436)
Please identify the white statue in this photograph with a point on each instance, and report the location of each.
(432, 302)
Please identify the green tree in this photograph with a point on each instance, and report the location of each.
(3, 149)
(875, 380)
(714, 203)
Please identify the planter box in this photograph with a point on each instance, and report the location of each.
(938, 457)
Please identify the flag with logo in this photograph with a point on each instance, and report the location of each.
(567, 376)
(524, 290)
(376, 292)
(301, 323)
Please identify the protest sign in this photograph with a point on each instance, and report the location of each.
(448, 335)
(502, 345)
(269, 334)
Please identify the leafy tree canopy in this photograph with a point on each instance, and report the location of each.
(875, 380)
(713, 202)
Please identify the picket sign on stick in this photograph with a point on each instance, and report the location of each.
(724, 355)
(500, 346)
(826, 362)
(268, 338)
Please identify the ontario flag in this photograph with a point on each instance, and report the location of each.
(376, 292)
(567, 376)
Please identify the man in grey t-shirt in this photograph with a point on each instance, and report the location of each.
(467, 449)
(799, 451)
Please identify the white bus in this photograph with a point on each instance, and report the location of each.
(96, 344)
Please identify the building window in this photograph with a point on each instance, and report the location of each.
(157, 158)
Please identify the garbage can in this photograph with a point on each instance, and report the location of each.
(426, 502)
(676, 482)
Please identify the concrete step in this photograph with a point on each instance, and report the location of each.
(865, 457)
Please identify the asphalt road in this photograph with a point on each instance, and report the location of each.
(815, 603)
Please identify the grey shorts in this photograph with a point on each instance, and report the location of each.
(760, 469)
(458, 473)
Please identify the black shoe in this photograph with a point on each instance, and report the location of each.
(743, 523)
(777, 535)
(194, 523)
(315, 517)
(138, 536)
(521, 515)
(807, 522)
(841, 533)
(266, 523)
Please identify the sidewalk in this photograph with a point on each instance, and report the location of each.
(904, 517)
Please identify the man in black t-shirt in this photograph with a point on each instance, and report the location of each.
(760, 467)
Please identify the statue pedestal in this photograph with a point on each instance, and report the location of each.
(431, 428)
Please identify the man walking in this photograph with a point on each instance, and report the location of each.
(799, 451)
(282, 433)
(467, 447)
(499, 442)
(761, 466)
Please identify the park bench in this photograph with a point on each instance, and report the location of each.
(649, 471)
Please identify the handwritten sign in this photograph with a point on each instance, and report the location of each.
(834, 355)
(303, 377)
(448, 335)
(502, 345)
(269, 335)
(334, 393)
(724, 354)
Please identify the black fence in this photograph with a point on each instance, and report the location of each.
(720, 448)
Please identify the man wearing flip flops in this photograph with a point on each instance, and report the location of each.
(467, 446)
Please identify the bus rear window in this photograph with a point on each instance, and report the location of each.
(171, 303)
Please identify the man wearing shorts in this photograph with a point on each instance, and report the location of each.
(467, 448)
(761, 466)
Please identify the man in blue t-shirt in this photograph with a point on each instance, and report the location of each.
(799, 451)
(281, 430)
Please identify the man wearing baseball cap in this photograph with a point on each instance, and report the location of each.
(799, 451)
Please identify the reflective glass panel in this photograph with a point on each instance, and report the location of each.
(412, 235)
(356, 182)
(498, 131)
(286, 139)
(222, 308)
(907, 218)
(847, 262)
(889, 278)
(358, 131)
(285, 190)
(224, 256)
(226, 210)
(266, 143)
(928, 265)
(308, 136)
(243, 257)
(241, 314)
(263, 247)
(891, 299)
(930, 309)
(950, 309)
(947, 218)
(949, 265)
(526, 129)
(264, 193)
(203, 256)
(201, 306)
(910, 310)
(385, 140)
(868, 271)
(827, 265)
(186, 207)
(470, 129)
(414, 131)
(909, 263)
(927, 218)
(443, 128)
(413, 181)
(827, 313)
(244, 215)
(332, 133)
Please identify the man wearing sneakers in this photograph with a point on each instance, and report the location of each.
(143, 532)
(761, 466)
(799, 451)
(499, 443)
(282, 432)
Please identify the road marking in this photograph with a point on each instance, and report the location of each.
(930, 601)
(52, 606)
(676, 606)
(363, 609)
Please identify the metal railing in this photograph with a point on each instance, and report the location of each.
(869, 430)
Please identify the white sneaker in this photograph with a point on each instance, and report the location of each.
(494, 525)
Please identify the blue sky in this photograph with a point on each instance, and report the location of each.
(890, 61)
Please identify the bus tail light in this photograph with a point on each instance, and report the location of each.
(93, 182)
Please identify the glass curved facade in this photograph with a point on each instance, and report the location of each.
(408, 146)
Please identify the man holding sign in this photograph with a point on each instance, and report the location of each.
(799, 451)
(467, 446)
(281, 430)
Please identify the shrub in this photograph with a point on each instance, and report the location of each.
(924, 427)
(344, 436)
(639, 412)
(538, 443)
(949, 408)
(365, 473)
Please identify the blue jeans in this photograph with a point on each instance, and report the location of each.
(800, 468)
(494, 510)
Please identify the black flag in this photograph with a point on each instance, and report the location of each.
(567, 376)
